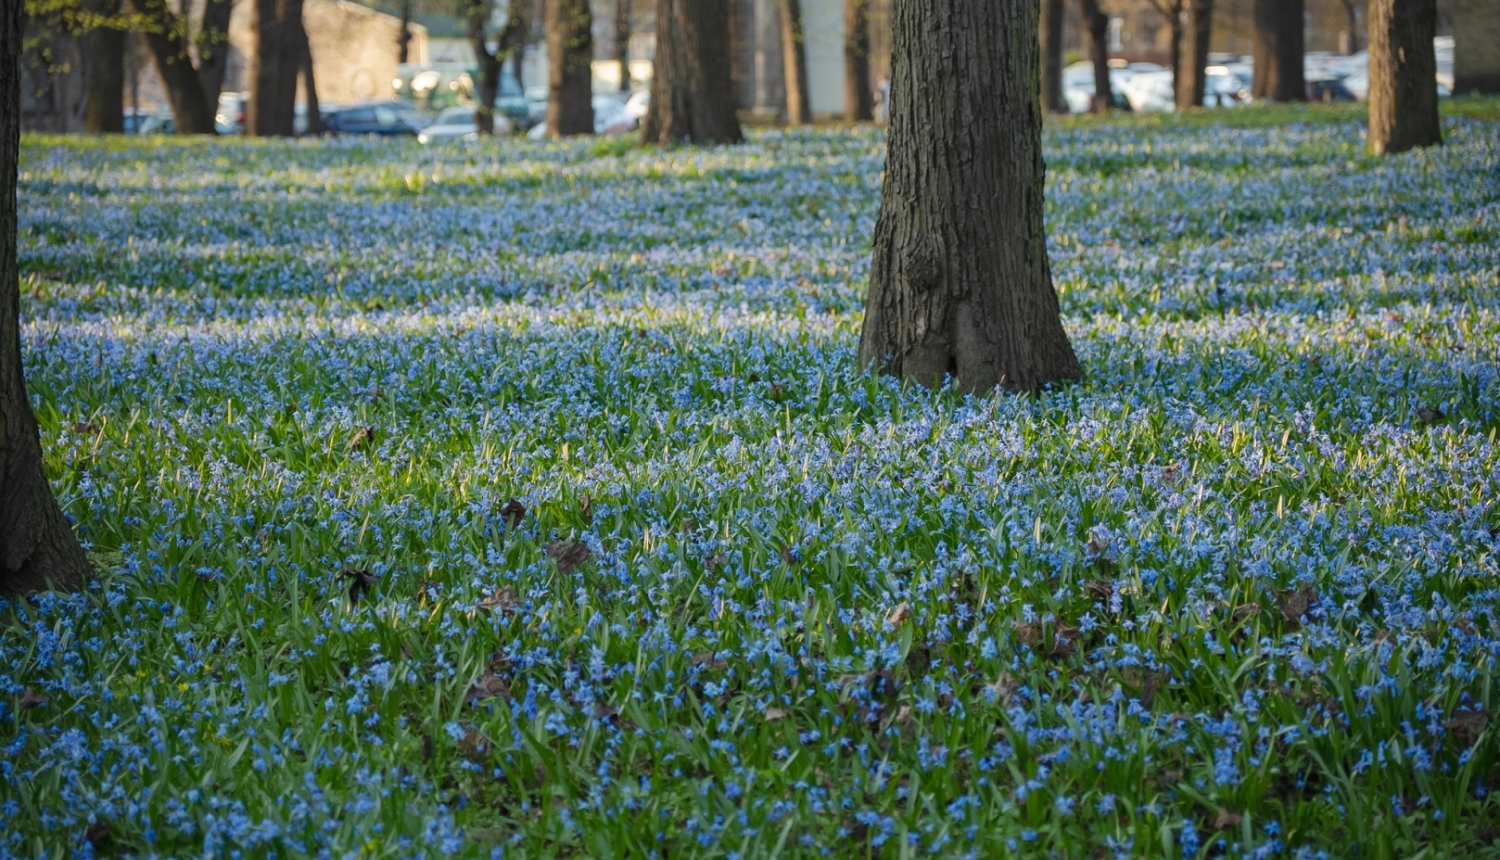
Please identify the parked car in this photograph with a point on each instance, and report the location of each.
(383, 119)
(1223, 88)
(610, 117)
(230, 116)
(140, 121)
(1328, 90)
(1078, 86)
(459, 123)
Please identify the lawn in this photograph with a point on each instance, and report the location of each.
(527, 499)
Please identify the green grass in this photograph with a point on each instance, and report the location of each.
(1232, 594)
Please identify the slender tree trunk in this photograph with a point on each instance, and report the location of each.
(1476, 47)
(1403, 76)
(1171, 12)
(960, 285)
(622, 42)
(104, 73)
(794, 62)
(403, 36)
(1278, 51)
(488, 85)
(1096, 28)
(859, 98)
(1351, 11)
(570, 51)
(213, 49)
(37, 546)
(165, 34)
(1052, 55)
(1191, 82)
(310, 88)
(273, 70)
(692, 93)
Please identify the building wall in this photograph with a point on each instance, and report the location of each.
(354, 48)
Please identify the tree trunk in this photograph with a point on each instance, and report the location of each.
(859, 98)
(1190, 81)
(104, 73)
(1403, 76)
(1278, 51)
(622, 42)
(310, 88)
(213, 49)
(1171, 12)
(488, 85)
(960, 285)
(1351, 11)
(37, 546)
(692, 93)
(1052, 55)
(403, 36)
(570, 51)
(166, 38)
(1476, 47)
(273, 69)
(1096, 27)
(794, 62)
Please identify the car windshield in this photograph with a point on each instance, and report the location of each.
(456, 116)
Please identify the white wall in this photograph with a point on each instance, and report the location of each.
(823, 31)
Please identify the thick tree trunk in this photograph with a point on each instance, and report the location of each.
(859, 97)
(273, 69)
(213, 49)
(622, 42)
(1052, 54)
(692, 91)
(1190, 81)
(37, 546)
(1403, 76)
(488, 85)
(960, 285)
(104, 73)
(1278, 51)
(310, 88)
(1096, 28)
(1476, 47)
(794, 62)
(403, 35)
(165, 34)
(570, 51)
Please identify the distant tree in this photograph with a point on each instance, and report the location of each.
(403, 35)
(1403, 76)
(166, 34)
(1351, 11)
(310, 88)
(1172, 11)
(279, 45)
(1476, 47)
(104, 70)
(794, 63)
(960, 284)
(622, 42)
(1278, 51)
(512, 39)
(37, 546)
(1052, 56)
(1096, 28)
(859, 98)
(1190, 81)
(570, 55)
(692, 91)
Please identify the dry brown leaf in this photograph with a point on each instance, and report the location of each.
(1227, 820)
(513, 512)
(1004, 688)
(31, 699)
(97, 834)
(1098, 546)
(1467, 726)
(706, 659)
(363, 437)
(1294, 605)
(1065, 641)
(604, 712)
(503, 599)
(1430, 415)
(1243, 612)
(1028, 634)
(774, 714)
(360, 582)
(586, 508)
(568, 555)
(898, 615)
(1100, 589)
(489, 686)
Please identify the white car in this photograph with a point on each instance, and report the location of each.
(1150, 92)
(455, 123)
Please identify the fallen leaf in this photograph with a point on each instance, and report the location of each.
(604, 712)
(1028, 634)
(1243, 612)
(1466, 726)
(1294, 605)
(707, 659)
(716, 560)
(97, 833)
(503, 599)
(1227, 820)
(789, 555)
(1004, 688)
(1430, 415)
(488, 686)
(568, 555)
(31, 699)
(774, 714)
(83, 429)
(1098, 546)
(1065, 641)
(586, 507)
(898, 615)
(362, 437)
(513, 512)
(1101, 589)
(360, 582)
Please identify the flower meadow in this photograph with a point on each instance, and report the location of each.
(525, 499)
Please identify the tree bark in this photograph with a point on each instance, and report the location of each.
(1190, 82)
(403, 36)
(165, 33)
(37, 547)
(570, 52)
(1351, 11)
(488, 85)
(310, 88)
(859, 98)
(960, 284)
(1171, 12)
(1096, 28)
(273, 69)
(794, 62)
(213, 49)
(692, 93)
(1403, 76)
(104, 73)
(1476, 47)
(622, 42)
(1052, 54)
(1278, 51)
